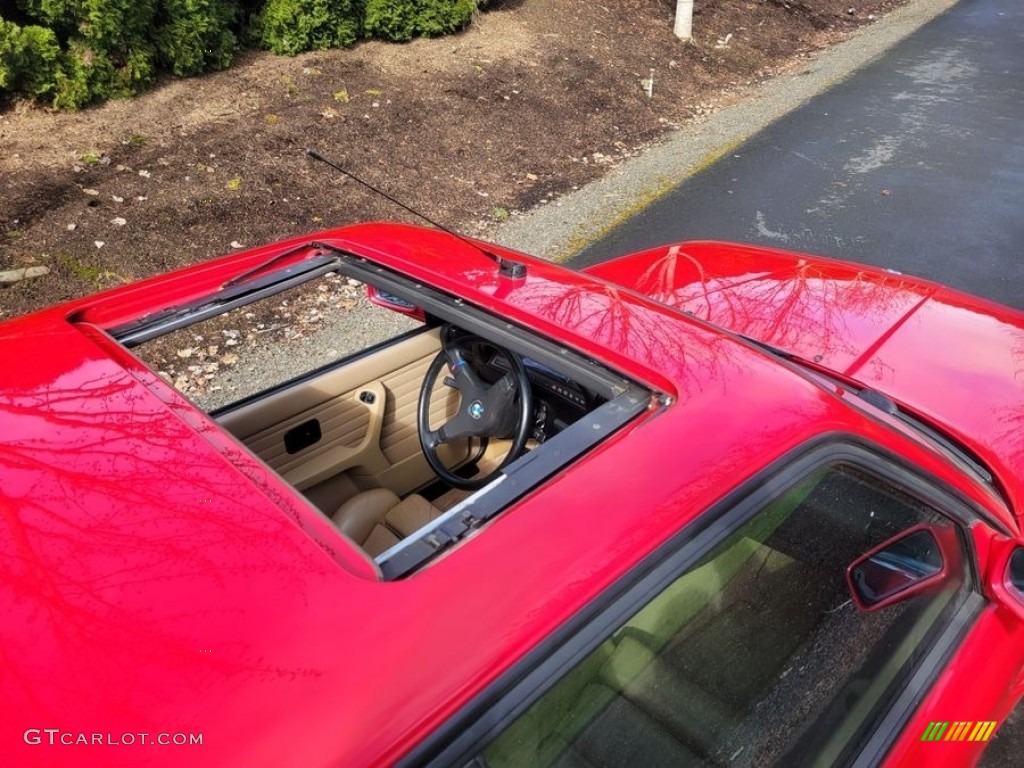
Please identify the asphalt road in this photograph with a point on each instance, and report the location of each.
(915, 163)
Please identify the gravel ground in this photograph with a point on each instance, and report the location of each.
(337, 335)
(247, 350)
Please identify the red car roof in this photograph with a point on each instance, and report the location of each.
(156, 577)
(956, 359)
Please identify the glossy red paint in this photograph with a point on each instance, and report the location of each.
(955, 359)
(155, 576)
(826, 311)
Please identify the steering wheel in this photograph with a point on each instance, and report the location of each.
(497, 410)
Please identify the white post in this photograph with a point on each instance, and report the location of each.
(684, 19)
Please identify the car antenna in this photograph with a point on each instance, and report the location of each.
(506, 267)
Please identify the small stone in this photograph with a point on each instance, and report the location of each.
(118, 221)
(25, 273)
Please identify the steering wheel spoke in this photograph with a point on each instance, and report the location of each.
(502, 393)
(459, 426)
(463, 376)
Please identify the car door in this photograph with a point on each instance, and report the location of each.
(748, 644)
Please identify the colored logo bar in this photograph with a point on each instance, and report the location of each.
(960, 730)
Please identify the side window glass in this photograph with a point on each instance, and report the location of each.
(758, 653)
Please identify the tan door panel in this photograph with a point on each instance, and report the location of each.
(246, 421)
(367, 415)
(407, 470)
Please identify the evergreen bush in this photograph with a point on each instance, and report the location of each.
(29, 59)
(401, 20)
(393, 20)
(83, 51)
(442, 17)
(195, 36)
(289, 27)
(84, 76)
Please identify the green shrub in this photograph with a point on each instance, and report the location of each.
(391, 19)
(85, 77)
(108, 50)
(292, 26)
(196, 36)
(58, 15)
(442, 17)
(401, 20)
(84, 51)
(29, 59)
(134, 71)
(114, 26)
(88, 76)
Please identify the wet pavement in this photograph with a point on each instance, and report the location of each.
(915, 163)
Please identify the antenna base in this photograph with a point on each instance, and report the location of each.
(514, 270)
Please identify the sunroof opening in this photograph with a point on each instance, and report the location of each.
(406, 416)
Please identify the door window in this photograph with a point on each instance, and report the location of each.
(756, 653)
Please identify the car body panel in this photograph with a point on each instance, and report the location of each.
(955, 359)
(158, 577)
(223, 583)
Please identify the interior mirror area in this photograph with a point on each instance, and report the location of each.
(394, 303)
(901, 567)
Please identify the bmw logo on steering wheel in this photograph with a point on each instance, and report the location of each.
(476, 409)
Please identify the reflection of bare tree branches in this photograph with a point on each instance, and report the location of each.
(790, 305)
(122, 533)
(1010, 418)
(610, 317)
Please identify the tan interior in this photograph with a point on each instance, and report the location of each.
(367, 415)
(377, 520)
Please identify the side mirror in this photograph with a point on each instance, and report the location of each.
(394, 303)
(900, 568)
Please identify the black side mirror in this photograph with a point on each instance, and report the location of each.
(900, 568)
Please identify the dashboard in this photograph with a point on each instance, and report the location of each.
(558, 401)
